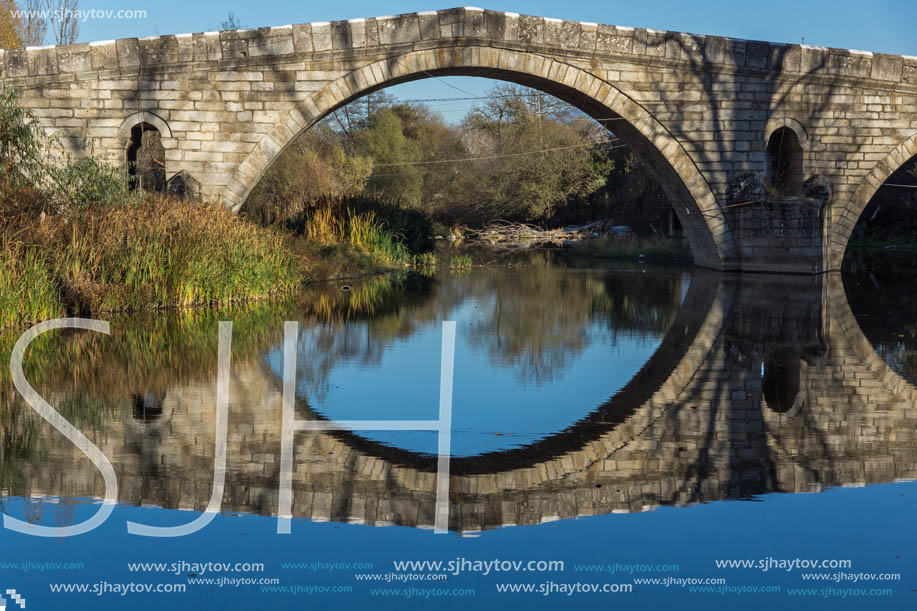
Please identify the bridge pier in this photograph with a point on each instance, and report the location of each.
(780, 235)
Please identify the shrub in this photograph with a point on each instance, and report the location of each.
(34, 167)
(359, 230)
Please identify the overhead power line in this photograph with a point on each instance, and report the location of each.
(488, 157)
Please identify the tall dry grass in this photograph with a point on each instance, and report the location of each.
(28, 289)
(152, 253)
(360, 230)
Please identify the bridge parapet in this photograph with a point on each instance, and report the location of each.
(154, 53)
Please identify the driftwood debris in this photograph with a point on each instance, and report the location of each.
(508, 234)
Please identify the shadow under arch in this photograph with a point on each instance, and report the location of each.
(845, 217)
(694, 329)
(694, 201)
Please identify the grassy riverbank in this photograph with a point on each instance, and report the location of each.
(155, 253)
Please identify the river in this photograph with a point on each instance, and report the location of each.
(629, 422)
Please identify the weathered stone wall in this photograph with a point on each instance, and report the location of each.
(777, 235)
(699, 109)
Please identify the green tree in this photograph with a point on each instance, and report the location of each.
(534, 154)
(396, 176)
(314, 167)
(437, 142)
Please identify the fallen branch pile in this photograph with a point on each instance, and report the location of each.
(505, 233)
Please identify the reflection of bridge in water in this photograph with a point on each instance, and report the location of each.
(762, 384)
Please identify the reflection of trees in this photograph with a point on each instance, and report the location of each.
(886, 311)
(356, 325)
(540, 317)
(534, 319)
(640, 302)
(91, 378)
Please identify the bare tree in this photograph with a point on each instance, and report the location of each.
(32, 28)
(63, 19)
(351, 117)
(231, 22)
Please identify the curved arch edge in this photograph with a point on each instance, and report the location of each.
(795, 125)
(845, 217)
(710, 236)
(143, 116)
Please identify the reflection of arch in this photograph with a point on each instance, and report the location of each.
(671, 367)
(780, 383)
(845, 325)
(784, 162)
(692, 441)
(694, 201)
(844, 219)
(146, 407)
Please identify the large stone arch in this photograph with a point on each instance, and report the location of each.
(694, 201)
(845, 217)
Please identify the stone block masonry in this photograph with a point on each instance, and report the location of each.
(698, 109)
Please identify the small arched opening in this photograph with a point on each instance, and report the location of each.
(146, 159)
(784, 163)
(780, 381)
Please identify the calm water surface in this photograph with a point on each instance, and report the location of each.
(603, 416)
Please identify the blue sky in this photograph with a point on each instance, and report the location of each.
(879, 25)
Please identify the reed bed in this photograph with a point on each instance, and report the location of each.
(363, 231)
(148, 254)
(28, 289)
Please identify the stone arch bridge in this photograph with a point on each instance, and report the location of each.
(704, 112)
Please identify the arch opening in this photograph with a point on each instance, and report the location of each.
(694, 328)
(146, 160)
(886, 226)
(693, 201)
(630, 124)
(784, 163)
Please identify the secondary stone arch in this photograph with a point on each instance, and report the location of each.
(777, 122)
(845, 218)
(137, 118)
(694, 201)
